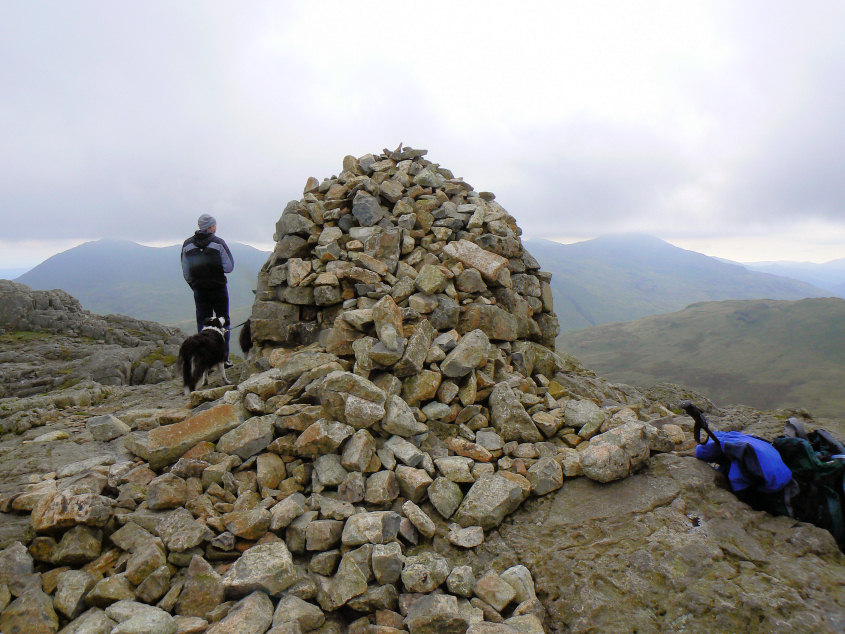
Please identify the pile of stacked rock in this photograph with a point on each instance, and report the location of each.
(399, 226)
(424, 403)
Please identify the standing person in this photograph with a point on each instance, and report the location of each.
(205, 261)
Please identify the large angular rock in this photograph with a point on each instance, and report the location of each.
(496, 323)
(377, 527)
(17, 569)
(71, 588)
(436, 614)
(64, 509)
(545, 476)
(489, 501)
(616, 453)
(293, 609)
(106, 427)
(265, 567)
(322, 437)
(424, 572)
(400, 420)
(180, 531)
(203, 590)
(167, 491)
(509, 418)
(30, 613)
(251, 615)
(489, 264)
(349, 581)
(164, 445)
(136, 618)
(493, 590)
(471, 351)
(249, 438)
(445, 496)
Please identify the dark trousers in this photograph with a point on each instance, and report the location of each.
(212, 302)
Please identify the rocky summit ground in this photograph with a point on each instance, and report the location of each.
(406, 452)
(666, 549)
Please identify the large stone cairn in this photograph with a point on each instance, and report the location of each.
(425, 406)
(399, 226)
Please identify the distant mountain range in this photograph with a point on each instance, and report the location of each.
(828, 275)
(624, 277)
(120, 276)
(609, 279)
(763, 353)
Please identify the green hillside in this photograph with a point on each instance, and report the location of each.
(624, 277)
(763, 353)
(119, 276)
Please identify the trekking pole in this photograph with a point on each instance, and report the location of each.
(700, 424)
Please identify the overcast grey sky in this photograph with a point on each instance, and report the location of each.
(718, 126)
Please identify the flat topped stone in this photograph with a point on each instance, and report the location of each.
(164, 445)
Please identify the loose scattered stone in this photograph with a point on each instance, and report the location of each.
(468, 537)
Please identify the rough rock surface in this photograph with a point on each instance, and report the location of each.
(48, 341)
(417, 466)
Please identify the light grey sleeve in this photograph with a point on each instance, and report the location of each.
(226, 257)
(186, 273)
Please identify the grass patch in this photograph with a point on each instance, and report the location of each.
(23, 336)
(159, 355)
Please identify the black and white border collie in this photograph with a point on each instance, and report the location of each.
(200, 353)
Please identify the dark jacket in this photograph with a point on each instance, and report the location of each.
(205, 260)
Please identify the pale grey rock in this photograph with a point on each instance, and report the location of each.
(461, 581)
(180, 531)
(456, 468)
(493, 590)
(421, 521)
(93, 621)
(106, 427)
(137, 618)
(471, 351)
(71, 588)
(251, 615)
(615, 453)
(445, 496)
(509, 418)
(387, 561)
(407, 453)
(358, 452)
(519, 578)
(329, 470)
(468, 537)
(291, 608)
(321, 535)
(382, 488)
(264, 567)
(377, 527)
(413, 483)
(436, 614)
(488, 501)
(399, 419)
(249, 438)
(286, 511)
(545, 476)
(424, 572)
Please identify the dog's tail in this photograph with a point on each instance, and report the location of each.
(184, 365)
(245, 339)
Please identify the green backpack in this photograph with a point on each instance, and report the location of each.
(817, 461)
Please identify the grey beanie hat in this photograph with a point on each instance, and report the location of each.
(206, 222)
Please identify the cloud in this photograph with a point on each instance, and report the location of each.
(713, 119)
